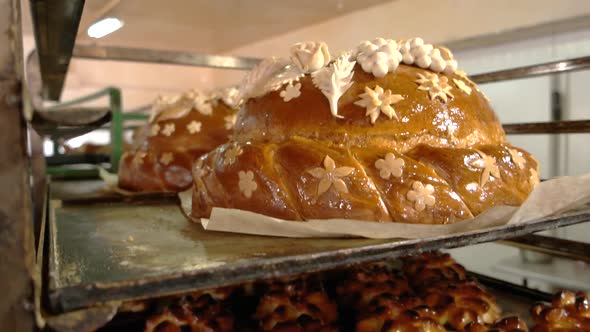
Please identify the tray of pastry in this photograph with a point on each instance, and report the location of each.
(110, 251)
(426, 292)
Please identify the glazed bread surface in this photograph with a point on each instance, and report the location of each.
(364, 137)
(180, 130)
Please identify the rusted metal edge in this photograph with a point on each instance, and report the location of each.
(40, 260)
(70, 298)
(557, 127)
(556, 67)
(136, 198)
(52, 262)
(552, 246)
(17, 244)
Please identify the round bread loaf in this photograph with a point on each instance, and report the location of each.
(180, 130)
(390, 131)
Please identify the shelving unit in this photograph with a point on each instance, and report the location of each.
(96, 251)
(93, 261)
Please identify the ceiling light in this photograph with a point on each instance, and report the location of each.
(104, 27)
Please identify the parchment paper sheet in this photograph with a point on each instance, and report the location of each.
(550, 197)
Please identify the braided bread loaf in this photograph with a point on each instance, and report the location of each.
(442, 285)
(299, 305)
(458, 303)
(363, 285)
(364, 137)
(424, 269)
(199, 312)
(180, 130)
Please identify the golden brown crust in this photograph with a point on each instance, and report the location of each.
(463, 121)
(199, 313)
(297, 305)
(458, 303)
(427, 268)
(373, 285)
(392, 319)
(508, 324)
(148, 171)
(287, 188)
(442, 285)
(162, 159)
(567, 312)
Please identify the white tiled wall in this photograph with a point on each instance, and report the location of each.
(529, 100)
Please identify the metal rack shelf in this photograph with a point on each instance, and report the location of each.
(163, 57)
(137, 249)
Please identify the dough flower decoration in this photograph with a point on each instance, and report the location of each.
(154, 129)
(231, 96)
(291, 92)
(330, 175)
(517, 158)
(415, 51)
(230, 121)
(378, 101)
(194, 127)
(436, 86)
(390, 165)
(169, 129)
(174, 107)
(166, 158)
(421, 195)
(310, 56)
(231, 155)
(438, 59)
(246, 183)
(160, 104)
(379, 57)
(488, 166)
(463, 75)
(202, 104)
(462, 86)
(138, 158)
(334, 80)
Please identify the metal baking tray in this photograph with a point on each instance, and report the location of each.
(515, 300)
(116, 251)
